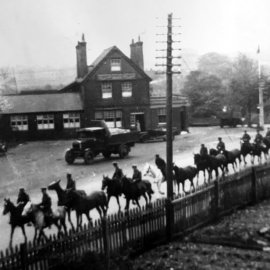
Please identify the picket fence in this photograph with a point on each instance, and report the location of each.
(138, 230)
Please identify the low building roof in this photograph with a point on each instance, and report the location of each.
(18, 104)
(160, 102)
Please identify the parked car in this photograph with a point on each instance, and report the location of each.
(154, 135)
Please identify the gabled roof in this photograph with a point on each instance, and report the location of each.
(18, 104)
(95, 65)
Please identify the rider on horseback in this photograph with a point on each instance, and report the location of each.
(71, 183)
(220, 145)
(258, 139)
(246, 138)
(137, 175)
(118, 173)
(203, 151)
(161, 164)
(46, 206)
(23, 197)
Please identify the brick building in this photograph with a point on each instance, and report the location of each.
(114, 88)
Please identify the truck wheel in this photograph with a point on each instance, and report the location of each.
(106, 154)
(123, 150)
(88, 157)
(69, 157)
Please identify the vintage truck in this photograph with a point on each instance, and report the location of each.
(230, 118)
(98, 138)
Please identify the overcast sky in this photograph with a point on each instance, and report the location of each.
(45, 33)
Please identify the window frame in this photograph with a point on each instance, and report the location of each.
(104, 90)
(162, 116)
(127, 90)
(115, 117)
(118, 67)
(17, 122)
(70, 120)
(47, 121)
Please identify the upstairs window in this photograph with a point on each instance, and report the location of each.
(71, 120)
(106, 89)
(45, 121)
(19, 122)
(115, 64)
(126, 89)
(112, 118)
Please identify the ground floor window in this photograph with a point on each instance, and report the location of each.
(45, 121)
(19, 122)
(161, 116)
(113, 118)
(71, 120)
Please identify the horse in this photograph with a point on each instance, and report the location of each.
(61, 194)
(201, 164)
(156, 174)
(83, 204)
(216, 161)
(134, 190)
(114, 188)
(246, 148)
(183, 174)
(40, 221)
(16, 218)
(256, 150)
(232, 156)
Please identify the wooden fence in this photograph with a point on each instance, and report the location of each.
(142, 229)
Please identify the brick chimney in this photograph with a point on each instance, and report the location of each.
(136, 53)
(81, 58)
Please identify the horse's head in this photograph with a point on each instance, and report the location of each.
(148, 171)
(7, 206)
(53, 185)
(105, 182)
(28, 209)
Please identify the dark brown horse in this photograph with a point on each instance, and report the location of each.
(183, 174)
(134, 190)
(16, 218)
(114, 189)
(83, 204)
(201, 164)
(62, 195)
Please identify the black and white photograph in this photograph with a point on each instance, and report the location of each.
(134, 135)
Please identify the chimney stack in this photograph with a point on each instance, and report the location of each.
(136, 53)
(81, 58)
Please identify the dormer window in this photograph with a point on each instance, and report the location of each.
(115, 64)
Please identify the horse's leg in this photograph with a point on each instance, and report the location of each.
(137, 202)
(35, 236)
(99, 211)
(11, 235)
(127, 204)
(159, 184)
(63, 223)
(192, 184)
(145, 197)
(117, 199)
(183, 187)
(69, 219)
(109, 197)
(24, 234)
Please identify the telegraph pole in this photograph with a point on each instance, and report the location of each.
(169, 145)
(260, 86)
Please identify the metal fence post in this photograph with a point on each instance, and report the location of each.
(23, 255)
(254, 197)
(216, 200)
(169, 220)
(106, 242)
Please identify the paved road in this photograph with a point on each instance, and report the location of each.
(89, 177)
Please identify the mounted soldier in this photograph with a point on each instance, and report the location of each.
(23, 197)
(137, 175)
(220, 145)
(258, 139)
(118, 173)
(203, 151)
(71, 183)
(246, 137)
(161, 164)
(46, 205)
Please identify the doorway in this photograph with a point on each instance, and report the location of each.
(138, 117)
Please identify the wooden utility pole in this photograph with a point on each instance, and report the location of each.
(260, 85)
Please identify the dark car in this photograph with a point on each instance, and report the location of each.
(154, 135)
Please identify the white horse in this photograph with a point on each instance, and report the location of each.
(156, 174)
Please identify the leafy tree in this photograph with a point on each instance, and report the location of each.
(205, 93)
(243, 90)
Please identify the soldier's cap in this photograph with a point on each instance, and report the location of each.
(43, 189)
(21, 189)
(69, 174)
(134, 166)
(219, 138)
(115, 163)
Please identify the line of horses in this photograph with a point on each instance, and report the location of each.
(82, 203)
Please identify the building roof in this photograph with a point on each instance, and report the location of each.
(177, 101)
(18, 104)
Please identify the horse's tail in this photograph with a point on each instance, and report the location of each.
(149, 187)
